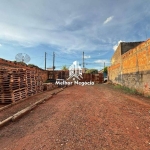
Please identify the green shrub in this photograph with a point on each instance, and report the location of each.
(126, 89)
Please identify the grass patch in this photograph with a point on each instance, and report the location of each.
(126, 89)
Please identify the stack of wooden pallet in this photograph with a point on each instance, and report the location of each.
(39, 83)
(12, 85)
(17, 84)
(48, 86)
(34, 82)
(31, 82)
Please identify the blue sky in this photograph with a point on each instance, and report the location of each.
(69, 27)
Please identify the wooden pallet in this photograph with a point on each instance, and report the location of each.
(47, 86)
(17, 84)
(13, 96)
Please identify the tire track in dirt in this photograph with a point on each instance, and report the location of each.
(89, 117)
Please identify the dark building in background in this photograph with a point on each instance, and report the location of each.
(126, 46)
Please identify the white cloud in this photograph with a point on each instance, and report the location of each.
(108, 19)
(70, 26)
(102, 61)
(0, 45)
(87, 56)
(115, 46)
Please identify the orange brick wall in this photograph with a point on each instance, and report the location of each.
(137, 59)
(115, 69)
(134, 70)
(117, 56)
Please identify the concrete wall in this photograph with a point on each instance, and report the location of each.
(133, 70)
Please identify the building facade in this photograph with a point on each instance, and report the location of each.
(130, 66)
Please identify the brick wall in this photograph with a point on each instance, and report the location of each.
(115, 70)
(117, 56)
(134, 70)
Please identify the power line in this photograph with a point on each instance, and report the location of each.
(61, 57)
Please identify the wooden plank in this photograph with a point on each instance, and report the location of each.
(13, 81)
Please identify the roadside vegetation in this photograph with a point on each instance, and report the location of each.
(65, 68)
(92, 71)
(126, 89)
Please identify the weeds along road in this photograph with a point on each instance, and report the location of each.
(83, 118)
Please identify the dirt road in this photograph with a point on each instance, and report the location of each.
(83, 118)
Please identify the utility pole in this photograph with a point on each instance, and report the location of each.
(83, 59)
(104, 69)
(53, 63)
(45, 60)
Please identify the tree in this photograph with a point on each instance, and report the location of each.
(105, 70)
(93, 71)
(64, 68)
